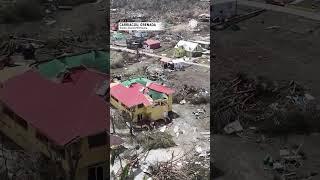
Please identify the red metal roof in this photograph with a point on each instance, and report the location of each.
(137, 86)
(150, 42)
(62, 112)
(129, 96)
(160, 88)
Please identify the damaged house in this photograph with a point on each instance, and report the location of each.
(151, 44)
(66, 121)
(203, 44)
(143, 99)
(189, 49)
(135, 42)
(173, 64)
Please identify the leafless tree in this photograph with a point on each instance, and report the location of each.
(73, 157)
(128, 118)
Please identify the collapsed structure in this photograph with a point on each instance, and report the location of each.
(142, 99)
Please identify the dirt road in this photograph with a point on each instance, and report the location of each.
(305, 14)
(151, 55)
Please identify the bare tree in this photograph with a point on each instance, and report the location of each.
(128, 118)
(73, 157)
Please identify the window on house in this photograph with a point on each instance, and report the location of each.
(139, 116)
(60, 152)
(42, 137)
(140, 106)
(95, 173)
(97, 140)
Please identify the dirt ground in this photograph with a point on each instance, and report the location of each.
(290, 53)
(244, 160)
(83, 20)
(278, 47)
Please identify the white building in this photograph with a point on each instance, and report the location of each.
(192, 49)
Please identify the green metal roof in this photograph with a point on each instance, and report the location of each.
(140, 80)
(98, 60)
(143, 81)
(155, 95)
(52, 68)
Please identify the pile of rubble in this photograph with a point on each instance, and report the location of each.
(193, 167)
(160, 164)
(247, 101)
(28, 166)
(22, 50)
(186, 93)
(288, 165)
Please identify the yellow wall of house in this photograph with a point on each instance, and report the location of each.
(152, 112)
(92, 155)
(157, 112)
(118, 105)
(138, 111)
(27, 140)
(83, 172)
(170, 101)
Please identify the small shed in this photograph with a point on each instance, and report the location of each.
(151, 44)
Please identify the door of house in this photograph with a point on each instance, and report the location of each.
(95, 173)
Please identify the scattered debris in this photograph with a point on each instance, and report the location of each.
(273, 104)
(183, 101)
(163, 128)
(288, 165)
(233, 127)
(155, 140)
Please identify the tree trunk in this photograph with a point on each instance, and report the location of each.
(131, 127)
(112, 123)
